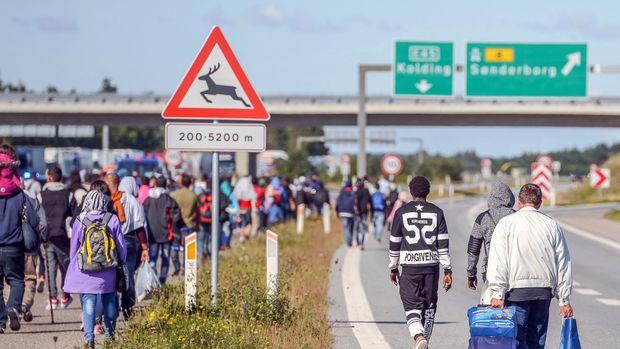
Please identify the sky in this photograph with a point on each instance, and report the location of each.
(291, 47)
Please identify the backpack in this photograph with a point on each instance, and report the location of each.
(320, 197)
(377, 202)
(346, 201)
(98, 251)
(206, 203)
(31, 237)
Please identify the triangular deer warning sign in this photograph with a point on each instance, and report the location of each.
(215, 87)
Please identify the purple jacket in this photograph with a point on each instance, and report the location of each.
(78, 281)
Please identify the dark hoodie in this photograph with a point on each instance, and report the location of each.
(163, 217)
(345, 204)
(501, 199)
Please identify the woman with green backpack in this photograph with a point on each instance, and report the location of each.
(97, 250)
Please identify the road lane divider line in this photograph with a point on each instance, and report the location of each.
(359, 313)
(575, 283)
(590, 236)
(588, 292)
(474, 211)
(609, 301)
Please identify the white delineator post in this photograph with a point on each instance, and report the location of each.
(191, 269)
(301, 216)
(326, 213)
(272, 263)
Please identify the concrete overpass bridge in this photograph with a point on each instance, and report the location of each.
(145, 110)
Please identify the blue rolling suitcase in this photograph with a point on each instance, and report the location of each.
(492, 328)
(492, 343)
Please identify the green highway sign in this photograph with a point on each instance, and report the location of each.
(526, 70)
(423, 68)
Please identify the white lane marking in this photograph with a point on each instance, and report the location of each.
(588, 292)
(609, 301)
(575, 283)
(590, 236)
(359, 313)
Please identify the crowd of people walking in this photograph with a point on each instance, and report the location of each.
(96, 229)
(367, 204)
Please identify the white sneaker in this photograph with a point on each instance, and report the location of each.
(53, 305)
(420, 343)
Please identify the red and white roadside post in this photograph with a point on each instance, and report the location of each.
(542, 175)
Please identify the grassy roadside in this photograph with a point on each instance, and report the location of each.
(583, 194)
(614, 215)
(245, 318)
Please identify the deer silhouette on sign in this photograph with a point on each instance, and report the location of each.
(215, 89)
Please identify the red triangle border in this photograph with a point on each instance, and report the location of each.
(173, 109)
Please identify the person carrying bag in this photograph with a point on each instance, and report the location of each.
(97, 251)
(570, 335)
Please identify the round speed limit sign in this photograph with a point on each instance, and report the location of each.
(391, 165)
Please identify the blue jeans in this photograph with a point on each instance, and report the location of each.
(128, 298)
(532, 320)
(204, 240)
(226, 231)
(348, 223)
(110, 313)
(154, 252)
(12, 264)
(378, 222)
(361, 227)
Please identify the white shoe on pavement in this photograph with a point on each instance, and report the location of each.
(420, 342)
(52, 303)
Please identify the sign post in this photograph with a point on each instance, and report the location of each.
(215, 223)
(526, 70)
(391, 165)
(485, 168)
(600, 177)
(423, 68)
(215, 88)
(216, 137)
(191, 268)
(272, 263)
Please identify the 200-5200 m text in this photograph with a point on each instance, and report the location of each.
(213, 137)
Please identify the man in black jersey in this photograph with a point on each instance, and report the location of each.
(419, 244)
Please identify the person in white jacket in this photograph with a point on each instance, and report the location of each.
(529, 264)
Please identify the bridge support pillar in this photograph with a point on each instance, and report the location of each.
(105, 145)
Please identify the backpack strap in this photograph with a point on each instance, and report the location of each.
(86, 222)
(106, 218)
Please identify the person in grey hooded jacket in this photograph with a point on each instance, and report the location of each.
(501, 200)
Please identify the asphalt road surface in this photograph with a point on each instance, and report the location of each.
(366, 311)
(41, 333)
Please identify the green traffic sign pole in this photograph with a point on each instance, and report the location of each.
(361, 113)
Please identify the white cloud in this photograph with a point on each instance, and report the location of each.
(48, 24)
(270, 15)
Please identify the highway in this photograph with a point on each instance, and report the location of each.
(366, 311)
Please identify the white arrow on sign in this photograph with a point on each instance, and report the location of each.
(423, 86)
(574, 59)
